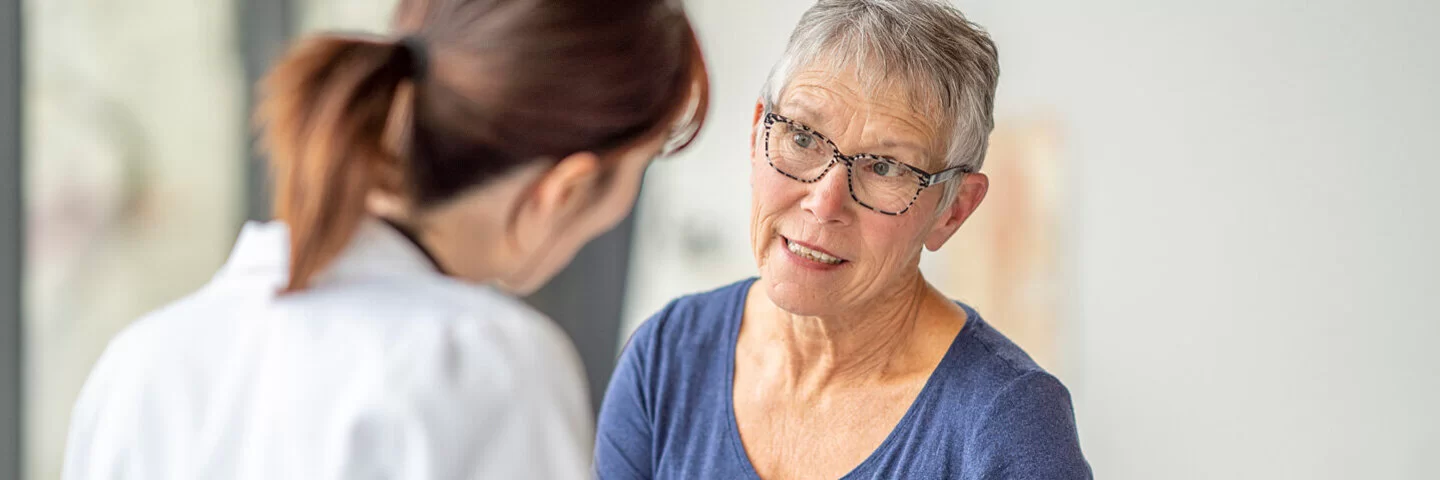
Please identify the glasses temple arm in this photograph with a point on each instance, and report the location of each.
(945, 175)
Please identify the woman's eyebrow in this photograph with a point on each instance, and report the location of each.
(802, 113)
(891, 145)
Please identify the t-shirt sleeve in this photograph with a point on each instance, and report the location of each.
(624, 436)
(1029, 432)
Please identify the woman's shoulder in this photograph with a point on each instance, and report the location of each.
(985, 364)
(459, 337)
(983, 342)
(1015, 415)
(441, 333)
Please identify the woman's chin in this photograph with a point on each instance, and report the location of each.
(798, 298)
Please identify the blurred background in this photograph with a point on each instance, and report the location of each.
(1215, 221)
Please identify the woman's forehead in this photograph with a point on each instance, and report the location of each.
(833, 105)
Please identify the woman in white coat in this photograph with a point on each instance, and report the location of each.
(420, 182)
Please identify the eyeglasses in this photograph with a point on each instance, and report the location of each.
(878, 183)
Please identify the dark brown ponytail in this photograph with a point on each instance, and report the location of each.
(504, 83)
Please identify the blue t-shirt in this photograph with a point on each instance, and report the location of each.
(987, 412)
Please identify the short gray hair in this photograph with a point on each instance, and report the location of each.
(946, 62)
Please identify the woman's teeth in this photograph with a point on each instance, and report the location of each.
(795, 248)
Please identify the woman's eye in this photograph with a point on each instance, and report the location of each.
(883, 169)
(803, 140)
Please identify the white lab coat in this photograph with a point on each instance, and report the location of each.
(383, 369)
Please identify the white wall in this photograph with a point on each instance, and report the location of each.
(1251, 236)
(1253, 232)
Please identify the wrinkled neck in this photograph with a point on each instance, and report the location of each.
(868, 345)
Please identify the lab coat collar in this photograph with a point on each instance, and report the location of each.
(376, 250)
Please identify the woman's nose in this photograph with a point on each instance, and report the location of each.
(829, 197)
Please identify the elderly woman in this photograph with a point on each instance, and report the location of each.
(840, 360)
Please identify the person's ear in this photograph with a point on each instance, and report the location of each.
(755, 125)
(972, 191)
(560, 193)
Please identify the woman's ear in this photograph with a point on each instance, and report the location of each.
(565, 188)
(549, 202)
(972, 191)
(755, 124)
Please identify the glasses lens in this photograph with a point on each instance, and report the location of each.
(883, 184)
(798, 152)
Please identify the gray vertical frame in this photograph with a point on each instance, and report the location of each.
(586, 300)
(266, 27)
(12, 245)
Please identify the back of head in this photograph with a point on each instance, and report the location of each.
(466, 91)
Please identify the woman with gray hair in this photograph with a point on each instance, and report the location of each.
(840, 360)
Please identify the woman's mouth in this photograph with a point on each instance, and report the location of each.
(811, 253)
